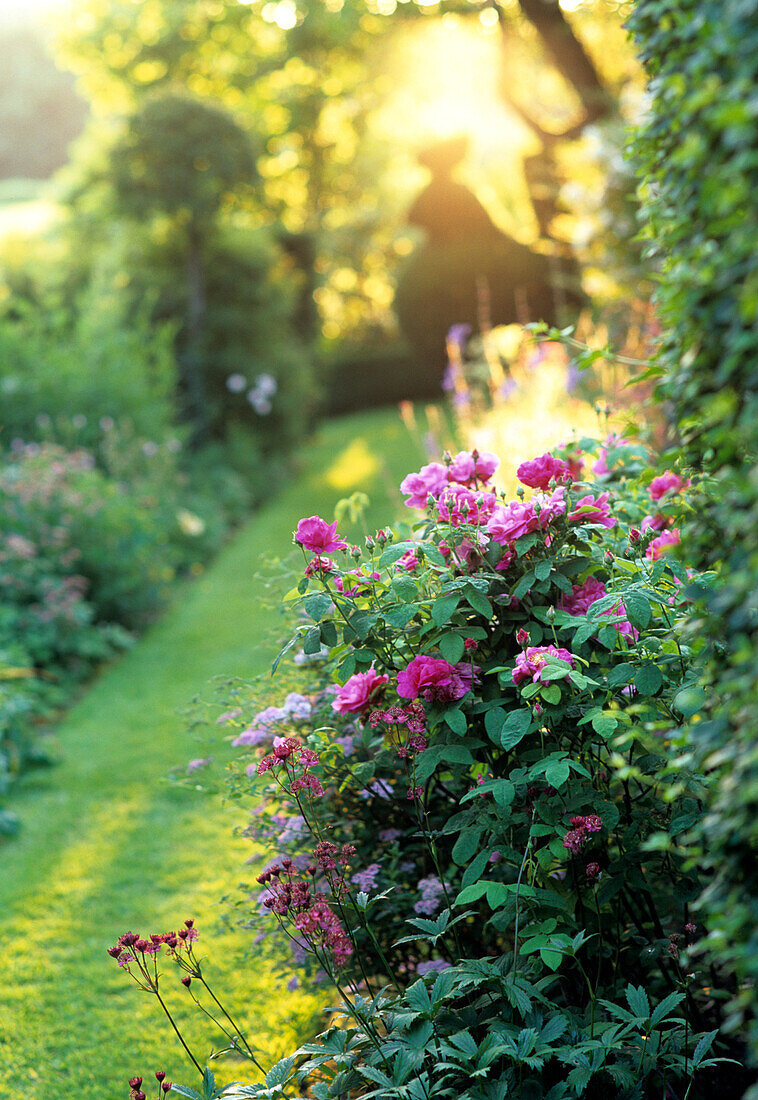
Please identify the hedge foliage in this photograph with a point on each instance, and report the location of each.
(698, 160)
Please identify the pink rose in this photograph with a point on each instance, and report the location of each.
(668, 482)
(611, 444)
(468, 466)
(408, 562)
(434, 679)
(430, 479)
(538, 472)
(458, 505)
(660, 546)
(505, 561)
(319, 536)
(584, 595)
(358, 587)
(509, 522)
(359, 692)
(658, 522)
(592, 509)
(530, 663)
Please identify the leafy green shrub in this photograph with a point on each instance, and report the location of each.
(60, 379)
(479, 825)
(88, 552)
(699, 186)
(256, 373)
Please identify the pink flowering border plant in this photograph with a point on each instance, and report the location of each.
(479, 807)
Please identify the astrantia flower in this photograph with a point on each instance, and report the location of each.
(434, 679)
(539, 472)
(317, 535)
(358, 693)
(530, 663)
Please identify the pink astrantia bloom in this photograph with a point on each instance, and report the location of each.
(530, 663)
(359, 692)
(434, 679)
(539, 472)
(457, 505)
(591, 509)
(663, 544)
(668, 482)
(317, 535)
(430, 479)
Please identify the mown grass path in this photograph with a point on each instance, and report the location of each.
(106, 846)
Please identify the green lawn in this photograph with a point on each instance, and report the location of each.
(107, 846)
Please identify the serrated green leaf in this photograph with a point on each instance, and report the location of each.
(637, 609)
(661, 1011)
(457, 722)
(317, 605)
(444, 606)
(467, 844)
(451, 647)
(636, 998)
(516, 726)
(703, 1046)
(551, 694)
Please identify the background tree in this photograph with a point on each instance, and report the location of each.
(181, 159)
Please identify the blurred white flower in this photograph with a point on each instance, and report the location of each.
(266, 385)
(236, 383)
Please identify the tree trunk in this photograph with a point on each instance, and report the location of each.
(193, 359)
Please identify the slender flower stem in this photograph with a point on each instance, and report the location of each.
(192, 1057)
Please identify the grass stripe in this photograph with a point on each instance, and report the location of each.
(106, 845)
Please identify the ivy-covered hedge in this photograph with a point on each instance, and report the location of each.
(698, 161)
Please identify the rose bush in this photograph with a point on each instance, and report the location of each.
(479, 809)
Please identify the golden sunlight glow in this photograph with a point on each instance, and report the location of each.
(444, 82)
(353, 467)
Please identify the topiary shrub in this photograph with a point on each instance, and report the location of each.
(697, 161)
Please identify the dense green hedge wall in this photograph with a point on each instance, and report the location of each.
(698, 162)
